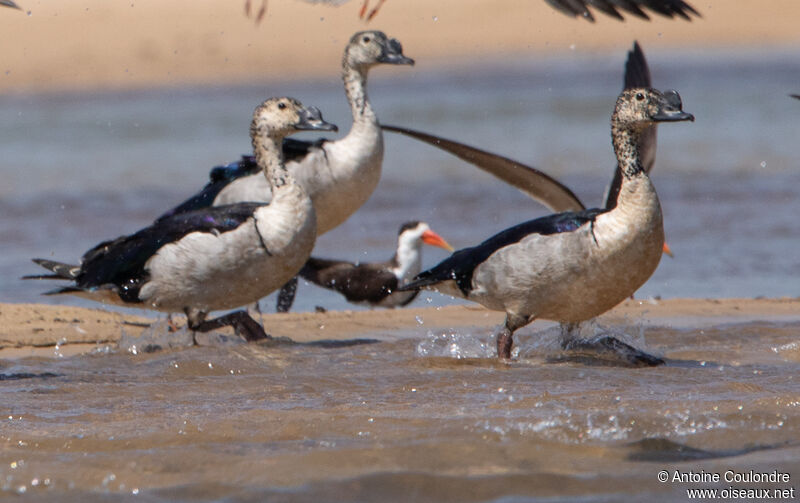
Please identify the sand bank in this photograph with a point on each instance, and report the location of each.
(34, 329)
(96, 44)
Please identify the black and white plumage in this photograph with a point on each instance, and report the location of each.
(573, 266)
(213, 258)
(339, 175)
(375, 283)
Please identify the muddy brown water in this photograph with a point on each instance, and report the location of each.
(418, 416)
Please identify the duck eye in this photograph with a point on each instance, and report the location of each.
(366, 40)
(281, 106)
(639, 96)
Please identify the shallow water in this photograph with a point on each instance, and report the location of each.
(400, 420)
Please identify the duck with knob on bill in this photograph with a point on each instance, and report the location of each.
(339, 175)
(215, 258)
(375, 283)
(571, 267)
(536, 184)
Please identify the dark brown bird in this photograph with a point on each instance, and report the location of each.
(375, 283)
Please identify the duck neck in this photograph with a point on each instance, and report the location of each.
(355, 87)
(269, 156)
(626, 146)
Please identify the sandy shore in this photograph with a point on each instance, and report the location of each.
(34, 329)
(97, 44)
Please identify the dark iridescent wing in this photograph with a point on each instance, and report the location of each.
(531, 181)
(461, 264)
(121, 261)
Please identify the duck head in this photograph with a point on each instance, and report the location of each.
(368, 48)
(280, 117)
(641, 107)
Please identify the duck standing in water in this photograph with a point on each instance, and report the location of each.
(571, 267)
(214, 258)
(376, 283)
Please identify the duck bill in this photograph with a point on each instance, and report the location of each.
(667, 251)
(431, 238)
(393, 54)
(311, 120)
(672, 116)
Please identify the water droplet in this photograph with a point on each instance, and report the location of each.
(29, 13)
(435, 18)
(210, 366)
(763, 164)
(419, 319)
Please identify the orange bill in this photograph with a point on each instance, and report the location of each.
(431, 238)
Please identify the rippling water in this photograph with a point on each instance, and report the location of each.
(424, 416)
(401, 420)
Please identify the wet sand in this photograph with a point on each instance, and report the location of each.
(34, 329)
(96, 44)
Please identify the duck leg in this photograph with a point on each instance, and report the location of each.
(505, 337)
(605, 348)
(286, 296)
(240, 321)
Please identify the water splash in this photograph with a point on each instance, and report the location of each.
(452, 344)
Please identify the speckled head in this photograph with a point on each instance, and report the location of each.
(641, 107)
(367, 48)
(280, 117)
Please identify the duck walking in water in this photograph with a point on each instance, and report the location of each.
(214, 258)
(376, 283)
(571, 267)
